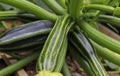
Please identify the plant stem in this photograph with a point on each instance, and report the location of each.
(75, 8)
(4, 15)
(4, 25)
(8, 13)
(107, 54)
(65, 70)
(62, 3)
(100, 38)
(115, 21)
(30, 7)
(97, 1)
(14, 55)
(105, 8)
(55, 6)
(101, 7)
(10, 69)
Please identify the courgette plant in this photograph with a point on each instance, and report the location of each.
(68, 27)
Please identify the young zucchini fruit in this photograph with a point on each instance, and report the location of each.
(25, 36)
(54, 50)
(87, 52)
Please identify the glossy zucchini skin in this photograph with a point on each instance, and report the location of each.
(26, 35)
(54, 50)
(87, 52)
(25, 44)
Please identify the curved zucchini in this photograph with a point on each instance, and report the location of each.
(27, 35)
(87, 52)
(55, 47)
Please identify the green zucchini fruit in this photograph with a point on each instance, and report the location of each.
(81, 61)
(87, 52)
(55, 47)
(29, 43)
(25, 36)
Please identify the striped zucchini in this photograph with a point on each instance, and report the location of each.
(87, 52)
(25, 36)
(82, 62)
(54, 50)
